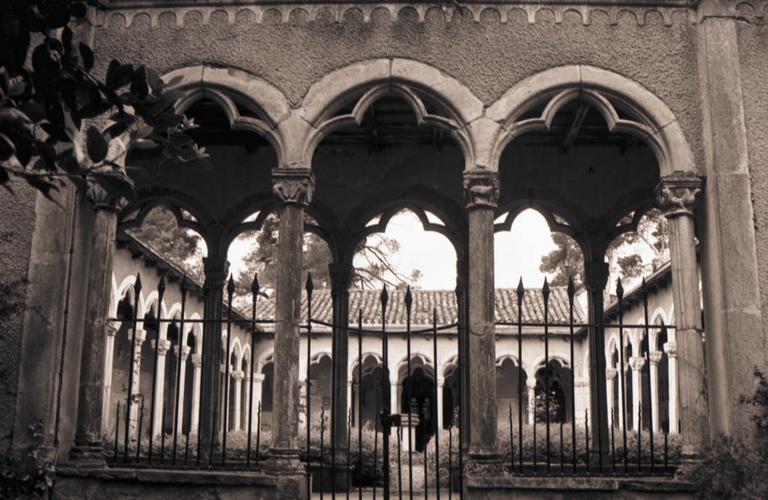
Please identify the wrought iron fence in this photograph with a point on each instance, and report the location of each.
(566, 447)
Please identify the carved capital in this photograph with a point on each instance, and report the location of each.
(238, 375)
(216, 270)
(101, 199)
(258, 377)
(671, 349)
(676, 193)
(163, 348)
(637, 362)
(341, 276)
(610, 373)
(293, 185)
(481, 189)
(197, 360)
(654, 357)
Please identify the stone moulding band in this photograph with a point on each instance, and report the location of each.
(178, 12)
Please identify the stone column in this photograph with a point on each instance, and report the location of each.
(182, 384)
(728, 242)
(159, 382)
(610, 375)
(674, 404)
(194, 416)
(216, 268)
(654, 358)
(439, 402)
(258, 378)
(293, 188)
(531, 386)
(135, 408)
(481, 191)
(620, 380)
(596, 277)
(676, 194)
(237, 403)
(637, 363)
(109, 358)
(90, 407)
(393, 402)
(341, 274)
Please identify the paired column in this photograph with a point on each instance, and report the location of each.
(293, 188)
(182, 385)
(654, 358)
(109, 358)
(341, 274)
(159, 382)
(216, 268)
(90, 407)
(481, 190)
(237, 378)
(676, 194)
(531, 386)
(197, 373)
(610, 377)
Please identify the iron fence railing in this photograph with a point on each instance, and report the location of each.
(565, 448)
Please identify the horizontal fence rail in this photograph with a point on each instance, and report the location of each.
(400, 452)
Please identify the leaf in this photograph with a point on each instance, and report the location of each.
(155, 82)
(43, 61)
(116, 129)
(6, 147)
(114, 182)
(41, 184)
(34, 110)
(66, 37)
(57, 14)
(87, 54)
(96, 144)
(139, 85)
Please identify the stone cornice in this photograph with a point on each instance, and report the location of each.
(666, 12)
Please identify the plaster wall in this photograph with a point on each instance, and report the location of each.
(292, 50)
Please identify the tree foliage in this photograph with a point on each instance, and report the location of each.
(564, 262)
(50, 103)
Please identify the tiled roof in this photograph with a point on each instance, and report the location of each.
(424, 301)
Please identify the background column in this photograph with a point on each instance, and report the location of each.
(674, 404)
(341, 274)
(654, 358)
(596, 278)
(636, 363)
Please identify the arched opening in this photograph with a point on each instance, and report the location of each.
(511, 389)
(417, 396)
(367, 397)
(663, 377)
(172, 360)
(147, 378)
(320, 388)
(450, 416)
(266, 395)
(121, 360)
(553, 382)
(190, 394)
(629, 397)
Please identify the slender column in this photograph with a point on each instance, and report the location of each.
(182, 384)
(349, 403)
(293, 188)
(654, 358)
(88, 446)
(216, 268)
(610, 378)
(674, 403)
(620, 380)
(109, 358)
(481, 191)
(637, 363)
(531, 386)
(676, 194)
(393, 404)
(159, 382)
(340, 274)
(237, 377)
(197, 372)
(133, 411)
(596, 277)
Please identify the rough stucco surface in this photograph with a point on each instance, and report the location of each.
(487, 56)
(753, 48)
(17, 218)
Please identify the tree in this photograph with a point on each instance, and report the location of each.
(50, 102)
(564, 262)
(162, 234)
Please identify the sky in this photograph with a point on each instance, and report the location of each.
(518, 252)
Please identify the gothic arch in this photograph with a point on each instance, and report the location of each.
(653, 121)
(409, 79)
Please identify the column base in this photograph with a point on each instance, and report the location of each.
(483, 463)
(88, 455)
(328, 478)
(290, 473)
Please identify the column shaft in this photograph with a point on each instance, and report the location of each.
(596, 278)
(655, 357)
(91, 391)
(340, 279)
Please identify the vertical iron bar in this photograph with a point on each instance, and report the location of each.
(386, 390)
(322, 436)
(436, 418)
(258, 432)
(153, 406)
(186, 446)
(586, 439)
(375, 453)
(511, 441)
(545, 293)
(562, 457)
(349, 445)
(450, 461)
(640, 434)
(334, 350)
(254, 299)
(648, 365)
(571, 293)
(535, 464)
(520, 295)
(219, 402)
(613, 446)
(462, 331)
(408, 303)
(308, 384)
(360, 403)
(200, 392)
(399, 462)
(666, 451)
(117, 428)
(141, 423)
(129, 400)
(225, 419)
(426, 469)
(622, 379)
(176, 424)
